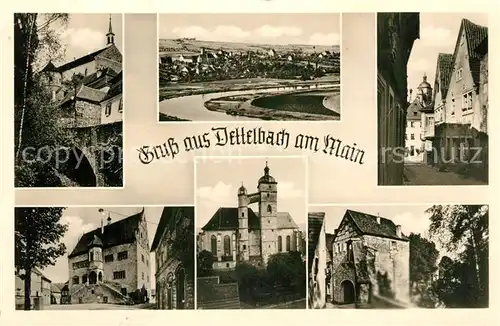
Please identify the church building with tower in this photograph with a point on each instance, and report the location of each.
(240, 234)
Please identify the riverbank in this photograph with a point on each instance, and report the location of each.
(166, 117)
(302, 105)
(180, 90)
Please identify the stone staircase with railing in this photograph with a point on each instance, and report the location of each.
(105, 292)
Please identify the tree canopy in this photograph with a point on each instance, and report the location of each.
(38, 235)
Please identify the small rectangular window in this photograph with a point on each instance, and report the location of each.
(119, 275)
(107, 112)
(108, 258)
(122, 255)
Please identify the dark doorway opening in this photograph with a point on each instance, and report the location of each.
(78, 168)
(348, 290)
(92, 278)
(180, 288)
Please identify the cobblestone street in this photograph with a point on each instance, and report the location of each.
(423, 174)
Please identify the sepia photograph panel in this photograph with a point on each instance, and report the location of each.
(396, 257)
(249, 67)
(251, 252)
(432, 98)
(111, 258)
(68, 100)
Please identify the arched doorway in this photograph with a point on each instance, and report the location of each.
(179, 283)
(92, 278)
(348, 290)
(78, 168)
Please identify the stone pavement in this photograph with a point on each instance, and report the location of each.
(423, 174)
(97, 306)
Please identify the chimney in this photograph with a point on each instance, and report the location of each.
(378, 219)
(398, 231)
(102, 226)
(109, 220)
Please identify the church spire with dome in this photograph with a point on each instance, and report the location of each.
(424, 91)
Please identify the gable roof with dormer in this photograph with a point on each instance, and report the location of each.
(413, 113)
(474, 36)
(117, 233)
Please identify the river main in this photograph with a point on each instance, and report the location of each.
(192, 107)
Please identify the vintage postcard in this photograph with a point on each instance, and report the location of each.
(238, 158)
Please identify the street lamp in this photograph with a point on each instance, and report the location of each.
(104, 213)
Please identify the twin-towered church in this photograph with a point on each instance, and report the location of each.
(238, 234)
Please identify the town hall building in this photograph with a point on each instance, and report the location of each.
(111, 263)
(239, 234)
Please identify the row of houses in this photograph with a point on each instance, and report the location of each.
(215, 65)
(444, 124)
(43, 291)
(455, 122)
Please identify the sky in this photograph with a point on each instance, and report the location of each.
(86, 33)
(217, 183)
(84, 219)
(290, 28)
(412, 218)
(438, 34)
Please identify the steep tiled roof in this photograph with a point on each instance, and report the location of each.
(84, 93)
(117, 233)
(96, 242)
(112, 53)
(445, 68)
(368, 224)
(314, 224)
(116, 87)
(285, 221)
(226, 218)
(99, 79)
(167, 219)
(49, 67)
(413, 111)
(108, 52)
(80, 61)
(474, 35)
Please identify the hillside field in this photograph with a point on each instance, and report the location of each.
(192, 45)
